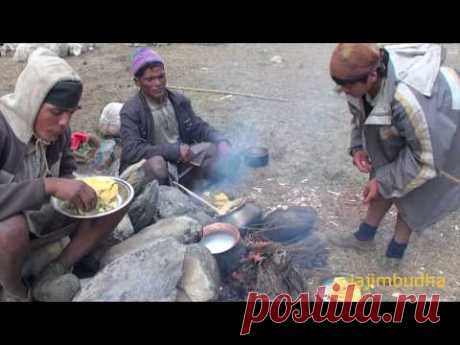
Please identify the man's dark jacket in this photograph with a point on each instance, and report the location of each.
(16, 197)
(137, 130)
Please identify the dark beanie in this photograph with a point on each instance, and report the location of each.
(65, 94)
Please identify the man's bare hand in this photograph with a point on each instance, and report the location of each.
(185, 152)
(371, 191)
(361, 161)
(78, 193)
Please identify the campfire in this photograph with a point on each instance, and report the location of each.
(271, 251)
(276, 252)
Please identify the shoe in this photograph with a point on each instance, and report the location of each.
(87, 267)
(55, 284)
(350, 241)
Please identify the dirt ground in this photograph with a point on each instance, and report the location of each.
(307, 137)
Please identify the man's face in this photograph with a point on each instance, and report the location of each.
(51, 122)
(359, 87)
(153, 82)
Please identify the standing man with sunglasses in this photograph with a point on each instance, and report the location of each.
(405, 135)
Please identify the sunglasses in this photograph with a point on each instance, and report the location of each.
(349, 81)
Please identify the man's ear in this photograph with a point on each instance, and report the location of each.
(373, 76)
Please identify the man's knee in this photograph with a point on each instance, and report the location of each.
(14, 234)
(211, 151)
(381, 204)
(156, 167)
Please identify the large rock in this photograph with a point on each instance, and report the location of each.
(182, 296)
(150, 273)
(200, 280)
(183, 229)
(143, 210)
(202, 217)
(84, 282)
(172, 202)
(124, 229)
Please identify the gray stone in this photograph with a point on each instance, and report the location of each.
(143, 210)
(150, 273)
(172, 202)
(183, 229)
(202, 217)
(124, 229)
(84, 282)
(182, 296)
(200, 280)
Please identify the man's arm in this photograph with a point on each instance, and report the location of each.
(356, 138)
(135, 147)
(19, 196)
(356, 142)
(415, 163)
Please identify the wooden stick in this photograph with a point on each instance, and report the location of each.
(450, 177)
(228, 93)
(193, 195)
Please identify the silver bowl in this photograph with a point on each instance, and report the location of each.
(124, 197)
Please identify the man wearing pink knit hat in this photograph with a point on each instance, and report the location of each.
(161, 127)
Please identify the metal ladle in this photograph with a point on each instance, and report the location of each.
(198, 198)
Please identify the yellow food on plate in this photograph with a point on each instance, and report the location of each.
(220, 199)
(106, 190)
(341, 293)
(223, 202)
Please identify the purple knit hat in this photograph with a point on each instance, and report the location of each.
(143, 56)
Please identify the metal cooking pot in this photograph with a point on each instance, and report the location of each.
(256, 157)
(221, 228)
(246, 215)
(289, 225)
(229, 259)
